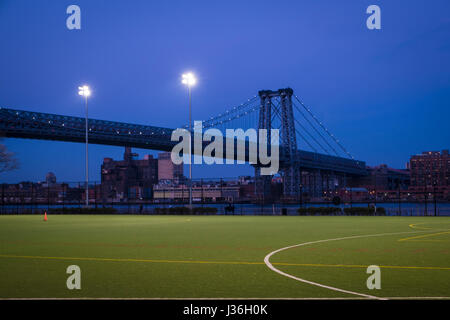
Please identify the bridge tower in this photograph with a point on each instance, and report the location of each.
(276, 110)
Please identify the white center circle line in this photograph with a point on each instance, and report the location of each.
(267, 262)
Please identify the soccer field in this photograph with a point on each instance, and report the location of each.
(223, 256)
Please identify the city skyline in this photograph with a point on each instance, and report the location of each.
(383, 92)
(157, 180)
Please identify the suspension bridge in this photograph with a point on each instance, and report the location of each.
(312, 159)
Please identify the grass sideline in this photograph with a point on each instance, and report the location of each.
(123, 256)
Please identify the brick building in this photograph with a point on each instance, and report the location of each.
(430, 173)
(383, 178)
(200, 193)
(129, 178)
(167, 170)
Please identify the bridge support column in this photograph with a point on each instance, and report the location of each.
(291, 183)
(263, 184)
(288, 140)
(334, 183)
(318, 184)
(327, 185)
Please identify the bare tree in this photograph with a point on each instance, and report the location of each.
(7, 159)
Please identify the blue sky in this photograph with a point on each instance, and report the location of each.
(385, 93)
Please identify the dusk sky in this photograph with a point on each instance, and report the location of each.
(385, 93)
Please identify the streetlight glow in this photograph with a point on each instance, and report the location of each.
(189, 79)
(84, 91)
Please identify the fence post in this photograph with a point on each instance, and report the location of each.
(221, 189)
(33, 198)
(101, 195)
(434, 199)
(128, 199)
(63, 194)
(203, 196)
(79, 197)
(3, 197)
(351, 197)
(426, 204)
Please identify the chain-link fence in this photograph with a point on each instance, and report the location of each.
(222, 196)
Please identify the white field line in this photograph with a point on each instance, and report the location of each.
(267, 262)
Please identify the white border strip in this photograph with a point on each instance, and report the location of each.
(267, 262)
(220, 299)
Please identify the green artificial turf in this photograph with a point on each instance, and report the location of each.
(221, 256)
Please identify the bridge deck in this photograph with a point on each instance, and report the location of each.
(37, 125)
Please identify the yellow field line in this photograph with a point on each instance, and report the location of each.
(424, 236)
(217, 262)
(414, 226)
(360, 266)
(130, 260)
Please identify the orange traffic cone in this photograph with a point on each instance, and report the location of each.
(45, 216)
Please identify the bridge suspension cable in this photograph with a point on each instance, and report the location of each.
(249, 107)
(323, 127)
(315, 129)
(311, 136)
(276, 115)
(306, 140)
(231, 114)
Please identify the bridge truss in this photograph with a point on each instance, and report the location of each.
(312, 159)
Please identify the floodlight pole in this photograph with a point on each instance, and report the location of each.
(87, 154)
(189, 80)
(190, 146)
